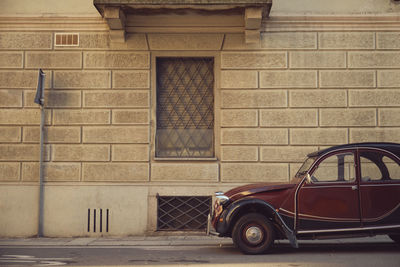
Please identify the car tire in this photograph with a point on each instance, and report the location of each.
(253, 234)
(395, 238)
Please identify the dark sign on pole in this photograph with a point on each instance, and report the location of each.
(39, 98)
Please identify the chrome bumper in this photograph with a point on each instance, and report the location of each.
(210, 228)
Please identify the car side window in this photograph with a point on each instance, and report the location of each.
(335, 168)
(369, 170)
(378, 166)
(393, 168)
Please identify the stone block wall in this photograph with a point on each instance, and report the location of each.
(297, 92)
(97, 109)
(293, 93)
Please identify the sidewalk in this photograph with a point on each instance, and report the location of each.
(119, 241)
(186, 240)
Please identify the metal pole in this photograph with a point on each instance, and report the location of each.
(39, 99)
(41, 186)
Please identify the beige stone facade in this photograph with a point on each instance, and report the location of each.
(310, 82)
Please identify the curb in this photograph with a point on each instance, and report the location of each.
(130, 241)
(166, 241)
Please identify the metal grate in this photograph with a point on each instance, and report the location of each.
(66, 39)
(182, 213)
(185, 107)
(98, 220)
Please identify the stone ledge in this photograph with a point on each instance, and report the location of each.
(118, 12)
(182, 2)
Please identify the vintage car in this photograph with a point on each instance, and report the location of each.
(350, 190)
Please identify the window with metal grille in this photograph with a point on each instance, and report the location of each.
(185, 108)
(182, 213)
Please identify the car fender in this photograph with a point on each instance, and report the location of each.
(237, 206)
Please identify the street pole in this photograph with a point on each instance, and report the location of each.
(39, 99)
(41, 186)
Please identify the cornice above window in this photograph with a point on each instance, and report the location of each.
(117, 13)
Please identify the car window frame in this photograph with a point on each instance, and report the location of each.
(332, 153)
(386, 153)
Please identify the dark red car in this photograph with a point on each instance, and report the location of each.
(350, 190)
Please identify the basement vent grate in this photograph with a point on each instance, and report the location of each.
(182, 213)
(98, 220)
(66, 39)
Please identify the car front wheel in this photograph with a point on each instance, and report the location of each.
(253, 234)
(395, 238)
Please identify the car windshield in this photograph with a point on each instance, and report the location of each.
(304, 168)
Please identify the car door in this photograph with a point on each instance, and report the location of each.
(331, 199)
(379, 188)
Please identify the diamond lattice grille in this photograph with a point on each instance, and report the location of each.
(182, 213)
(185, 107)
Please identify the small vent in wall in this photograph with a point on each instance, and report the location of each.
(67, 39)
(98, 220)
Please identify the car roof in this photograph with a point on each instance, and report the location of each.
(391, 147)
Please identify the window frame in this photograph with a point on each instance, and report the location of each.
(335, 154)
(385, 153)
(153, 102)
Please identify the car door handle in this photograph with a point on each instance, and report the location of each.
(354, 187)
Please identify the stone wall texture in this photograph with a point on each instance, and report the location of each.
(307, 85)
(96, 104)
(294, 93)
(334, 88)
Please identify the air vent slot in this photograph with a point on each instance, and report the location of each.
(98, 220)
(66, 39)
(182, 213)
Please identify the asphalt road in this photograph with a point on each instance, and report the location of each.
(309, 254)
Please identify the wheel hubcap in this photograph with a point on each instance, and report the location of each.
(254, 235)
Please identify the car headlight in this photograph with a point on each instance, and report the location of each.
(221, 199)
